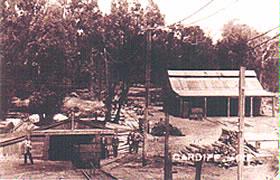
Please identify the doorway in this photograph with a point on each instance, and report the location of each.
(61, 146)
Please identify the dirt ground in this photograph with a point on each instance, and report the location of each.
(128, 166)
(200, 132)
(208, 130)
(14, 168)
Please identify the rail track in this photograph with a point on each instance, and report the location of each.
(12, 141)
(97, 174)
(86, 174)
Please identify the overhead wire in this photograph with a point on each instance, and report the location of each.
(213, 14)
(189, 16)
(260, 44)
(263, 34)
(266, 32)
(194, 13)
(224, 8)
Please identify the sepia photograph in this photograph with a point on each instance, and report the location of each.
(139, 90)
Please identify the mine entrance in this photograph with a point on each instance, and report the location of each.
(61, 146)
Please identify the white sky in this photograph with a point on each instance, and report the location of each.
(259, 14)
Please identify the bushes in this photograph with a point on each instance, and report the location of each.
(159, 130)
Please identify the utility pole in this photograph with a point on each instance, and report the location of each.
(147, 97)
(241, 111)
(108, 88)
(167, 156)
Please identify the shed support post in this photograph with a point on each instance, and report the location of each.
(251, 107)
(205, 106)
(72, 120)
(181, 107)
(273, 106)
(228, 107)
(46, 148)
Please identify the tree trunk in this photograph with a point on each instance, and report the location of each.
(124, 92)
(109, 102)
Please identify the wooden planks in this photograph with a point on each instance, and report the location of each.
(73, 132)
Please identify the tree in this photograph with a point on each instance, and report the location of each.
(124, 37)
(33, 44)
(240, 47)
(194, 50)
(18, 18)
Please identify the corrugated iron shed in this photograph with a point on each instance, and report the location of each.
(214, 83)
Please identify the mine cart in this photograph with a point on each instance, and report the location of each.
(86, 155)
(196, 113)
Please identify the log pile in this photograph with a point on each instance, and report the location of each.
(223, 152)
(19, 103)
(6, 127)
(85, 103)
(159, 130)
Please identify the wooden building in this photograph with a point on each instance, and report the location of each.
(215, 92)
(76, 142)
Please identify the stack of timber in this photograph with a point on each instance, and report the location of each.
(6, 127)
(85, 107)
(223, 152)
(86, 155)
(134, 106)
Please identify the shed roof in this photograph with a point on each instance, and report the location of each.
(73, 132)
(209, 73)
(214, 83)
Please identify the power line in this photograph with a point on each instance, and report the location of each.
(194, 13)
(258, 36)
(266, 41)
(168, 26)
(213, 14)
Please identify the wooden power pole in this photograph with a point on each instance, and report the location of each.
(167, 155)
(241, 111)
(108, 103)
(147, 97)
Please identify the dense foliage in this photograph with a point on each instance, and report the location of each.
(65, 46)
(160, 130)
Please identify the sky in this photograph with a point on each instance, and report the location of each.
(261, 15)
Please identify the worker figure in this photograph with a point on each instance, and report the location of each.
(246, 159)
(27, 150)
(115, 145)
(141, 125)
(136, 141)
(104, 148)
(130, 138)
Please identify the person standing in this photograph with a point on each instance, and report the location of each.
(27, 150)
(141, 125)
(104, 149)
(136, 141)
(115, 145)
(130, 138)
